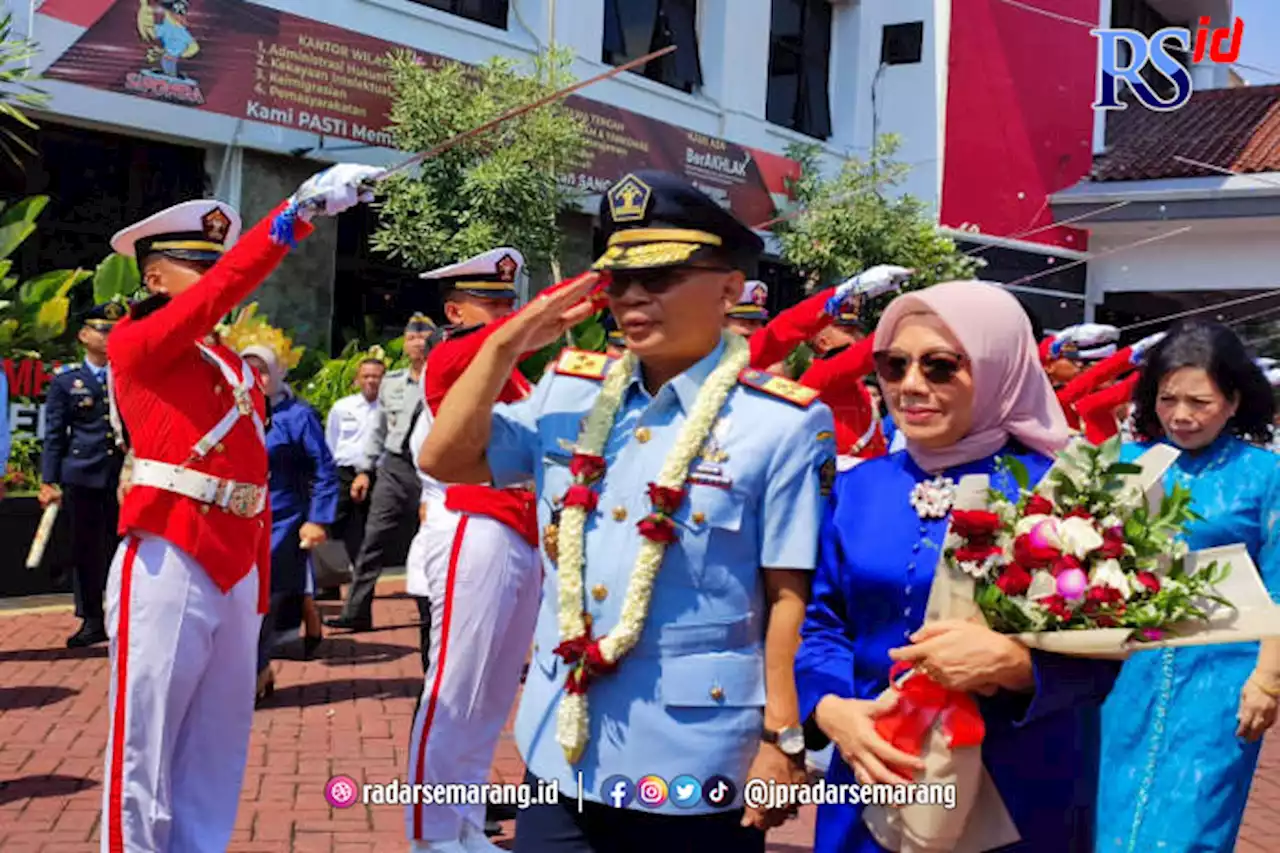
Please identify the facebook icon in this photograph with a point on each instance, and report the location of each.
(617, 791)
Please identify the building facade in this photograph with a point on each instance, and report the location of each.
(158, 101)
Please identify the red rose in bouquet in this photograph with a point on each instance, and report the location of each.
(1014, 580)
(974, 524)
(1038, 505)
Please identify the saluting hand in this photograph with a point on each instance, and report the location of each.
(548, 316)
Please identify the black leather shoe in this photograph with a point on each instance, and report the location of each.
(346, 623)
(90, 634)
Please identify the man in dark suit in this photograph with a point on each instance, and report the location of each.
(81, 459)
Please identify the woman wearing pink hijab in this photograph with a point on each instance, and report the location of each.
(961, 374)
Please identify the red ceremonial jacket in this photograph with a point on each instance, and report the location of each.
(1098, 410)
(170, 397)
(1091, 380)
(838, 380)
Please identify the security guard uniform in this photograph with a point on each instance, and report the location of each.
(393, 498)
(688, 699)
(82, 456)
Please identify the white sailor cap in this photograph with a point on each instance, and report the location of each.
(751, 306)
(490, 274)
(191, 231)
(1273, 376)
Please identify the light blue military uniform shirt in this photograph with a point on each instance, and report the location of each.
(689, 698)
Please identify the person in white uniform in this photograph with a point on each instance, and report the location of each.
(475, 558)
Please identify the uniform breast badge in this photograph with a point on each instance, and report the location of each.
(708, 470)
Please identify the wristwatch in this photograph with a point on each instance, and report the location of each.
(790, 740)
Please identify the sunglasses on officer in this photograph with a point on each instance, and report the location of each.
(655, 281)
(938, 368)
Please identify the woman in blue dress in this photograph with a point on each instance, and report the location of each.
(960, 371)
(303, 482)
(1182, 729)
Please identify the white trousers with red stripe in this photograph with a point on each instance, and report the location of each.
(183, 674)
(484, 582)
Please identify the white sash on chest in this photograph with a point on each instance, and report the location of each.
(242, 387)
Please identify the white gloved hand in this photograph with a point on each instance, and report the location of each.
(335, 190)
(1273, 376)
(869, 284)
(1141, 348)
(1265, 363)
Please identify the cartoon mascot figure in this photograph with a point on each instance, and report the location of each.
(169, 40)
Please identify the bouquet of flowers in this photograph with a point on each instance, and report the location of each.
(1090, 549)
(1088, 563)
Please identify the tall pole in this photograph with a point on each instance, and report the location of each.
(551, 50)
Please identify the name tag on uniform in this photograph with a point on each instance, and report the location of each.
(707, 474)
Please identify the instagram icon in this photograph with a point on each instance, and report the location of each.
(651, 791)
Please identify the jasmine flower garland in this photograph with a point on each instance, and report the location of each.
(586, 655)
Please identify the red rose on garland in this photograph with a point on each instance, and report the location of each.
(588, 468)
(585, 661)
(581, 496)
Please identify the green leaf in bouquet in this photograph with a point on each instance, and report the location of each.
(1018, 471)
(1116, 469)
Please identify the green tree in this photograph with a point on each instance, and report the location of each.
(498, 188)
(33, 314)
(18, 91)
(852, 221)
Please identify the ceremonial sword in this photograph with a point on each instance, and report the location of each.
(516, 112)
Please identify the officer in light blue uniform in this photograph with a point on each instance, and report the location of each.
(689, 703)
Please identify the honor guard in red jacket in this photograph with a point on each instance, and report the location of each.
(189, 583)
(475, 558)
(1100, 411)
(844, 356)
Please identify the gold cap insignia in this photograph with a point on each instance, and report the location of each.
(629, 199)
(216, 224)
(114, 311)
(507, 268)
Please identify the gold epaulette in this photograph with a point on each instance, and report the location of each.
(778, 386)
(583, 364)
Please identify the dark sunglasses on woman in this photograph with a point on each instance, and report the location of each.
(939, 368)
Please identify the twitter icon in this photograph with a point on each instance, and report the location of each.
(686, 791)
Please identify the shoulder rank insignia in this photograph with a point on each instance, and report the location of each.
(778, 386)
(65, 368)
(583, 364)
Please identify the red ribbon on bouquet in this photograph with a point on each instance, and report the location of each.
(921, 703)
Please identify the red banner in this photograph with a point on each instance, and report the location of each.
(240, 59)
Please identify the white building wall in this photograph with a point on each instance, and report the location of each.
(1218, 254)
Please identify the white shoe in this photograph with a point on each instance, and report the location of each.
(453, 846)
(475, 841)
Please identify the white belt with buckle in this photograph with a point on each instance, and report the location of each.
(240, 499)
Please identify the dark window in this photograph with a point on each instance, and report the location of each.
(799, 66)
(633, 28)
(902, 44)
(491, 12)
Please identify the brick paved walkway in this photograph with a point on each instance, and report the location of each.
(346, 713)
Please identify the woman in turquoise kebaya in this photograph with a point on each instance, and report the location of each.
(1182, 728)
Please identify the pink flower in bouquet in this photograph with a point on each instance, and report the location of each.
(1148, 580)
(1038, 505)
(1075, 535)
(1014, 580)
(1072, 584)
(1152, 634)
